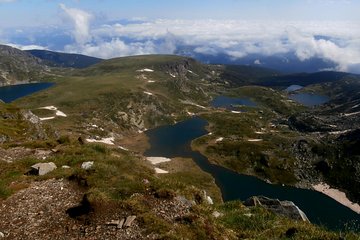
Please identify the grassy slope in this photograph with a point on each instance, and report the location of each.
(104, 90)
(118, 174)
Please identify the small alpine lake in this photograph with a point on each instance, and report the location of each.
(231, 103)
(11, 93)
(309, 99)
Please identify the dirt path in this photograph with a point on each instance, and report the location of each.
(39, 212)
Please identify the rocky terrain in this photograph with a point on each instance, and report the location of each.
(18, 67)
(88, 131)
(334, 126)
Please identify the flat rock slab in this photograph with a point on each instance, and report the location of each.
(43, 168)
(129, 221)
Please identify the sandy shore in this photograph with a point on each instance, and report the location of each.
(337, 195)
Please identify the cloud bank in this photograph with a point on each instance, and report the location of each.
(338, 42)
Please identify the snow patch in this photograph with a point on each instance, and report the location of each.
(109, 141)
(340, 132)
(149, 93)
(260, 133)
(235, 112)
(192, 72)
(158, 160)
(160, 171)
(151, 81)
(351, 114)
(191, 103)
(355, 106)
(172, 75)
(53, 108)
(255, 140)
(122, 148)
(145, 70)
(220, 139)
(46, 118)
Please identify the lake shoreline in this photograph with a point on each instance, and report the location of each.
(337, 195)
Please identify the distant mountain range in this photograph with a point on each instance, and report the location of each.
(285, 63)
(57, 59)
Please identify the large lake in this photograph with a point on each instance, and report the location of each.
(175, 140)
(11, 93)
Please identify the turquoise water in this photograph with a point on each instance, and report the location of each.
(174, 141)
(11, 93)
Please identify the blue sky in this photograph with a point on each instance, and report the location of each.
(328, 29)
(42, 12)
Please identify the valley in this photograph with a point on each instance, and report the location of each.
(107, 112)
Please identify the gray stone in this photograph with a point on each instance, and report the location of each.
(129, 221)
(2, 235)
(121, 223)
(185, 201)
(87, 165)
(285, 208)
(65, 167)
(43, 168)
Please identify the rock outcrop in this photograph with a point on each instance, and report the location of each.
(18, 66)
(285, 208)
(42, 168)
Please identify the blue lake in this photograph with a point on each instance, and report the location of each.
(293, 88)
(231, 103)
(11, 93)
(309, 99)
(174, 141)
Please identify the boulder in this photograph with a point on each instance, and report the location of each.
(285, 208)
(87, 165)
(42, 168)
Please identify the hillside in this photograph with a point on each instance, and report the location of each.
(129, 94)
(74, 202)
(17, 66)
(337, 122)
(57, 59)
(99, 114)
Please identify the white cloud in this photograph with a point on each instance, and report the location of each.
(335, 41)
(340, 41)
(27, 47)
(81, 21)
